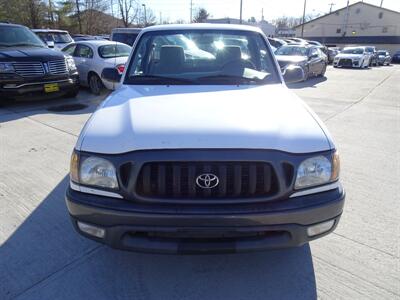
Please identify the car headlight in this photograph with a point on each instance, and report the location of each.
(336, 58)
(93, 171)
(70, 63)
(6, 67)
(317, 170)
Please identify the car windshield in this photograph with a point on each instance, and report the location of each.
(381, 52)
(292, 50)
(114, 50)
(56, 37)
(353, 51)
(202, 57)
(125, 38)
(16, 36)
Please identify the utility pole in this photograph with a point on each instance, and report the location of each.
(304, 17)
(160, 17)
(346, 20)
(191, 11)
(145, 15)
(331, 5)
(381, 3)
(262, 14)
(241, 10)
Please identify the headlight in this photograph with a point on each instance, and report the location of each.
(70, 63)
(6, 67)
(336, 58)
(317, 170)
(96, 171)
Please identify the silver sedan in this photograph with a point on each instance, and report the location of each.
(91, 57)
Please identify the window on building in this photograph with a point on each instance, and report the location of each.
(339, 30)
(358, 10)
(380, 15)
(384, 30)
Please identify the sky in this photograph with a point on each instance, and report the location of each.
(173, 10)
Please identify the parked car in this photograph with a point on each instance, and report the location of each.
(396, 57)
(352, 57)
(383, 57)
(332, 52)
(298, 40)
(29, 68)
(276, 42)
(125, 35)
(54, 37)
(205, 155)
(310, 58)
(83, 37)
(315, 43)
(371, 50)
(91, 57)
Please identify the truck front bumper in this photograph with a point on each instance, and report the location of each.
(36, 88)
(127, 226)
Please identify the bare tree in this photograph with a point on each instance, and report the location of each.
(201, 16)
(78, 14)
(129, 11)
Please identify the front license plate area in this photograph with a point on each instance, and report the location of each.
(51, 88)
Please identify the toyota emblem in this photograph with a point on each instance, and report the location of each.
(207, 181)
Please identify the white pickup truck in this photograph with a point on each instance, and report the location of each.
(203, 148)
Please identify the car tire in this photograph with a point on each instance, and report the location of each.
(322, 74)
(95, 84)
(306, 74)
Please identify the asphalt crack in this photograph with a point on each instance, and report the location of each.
(51, 275)
(361, 99)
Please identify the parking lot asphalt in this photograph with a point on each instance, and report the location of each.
(41, 257)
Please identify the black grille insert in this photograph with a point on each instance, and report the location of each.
(177, 180)
(345, 62)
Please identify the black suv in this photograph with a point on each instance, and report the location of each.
(29, 68)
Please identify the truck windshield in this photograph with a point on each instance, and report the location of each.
(56, 37)
(202, 57)
(18, 36)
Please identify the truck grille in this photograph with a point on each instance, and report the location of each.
(29, 69)
(178, 180)
(58, 67)
(37, 69)
(345, 62)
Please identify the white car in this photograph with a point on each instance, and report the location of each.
(193, 154)
(91, 57)
(54, 38)
(352, 57)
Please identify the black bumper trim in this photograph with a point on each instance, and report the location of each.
(205, 233)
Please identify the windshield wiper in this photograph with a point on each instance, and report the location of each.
(158, 79)
(231, 78)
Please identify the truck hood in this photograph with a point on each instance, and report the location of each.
(203, 117)
(30, 54)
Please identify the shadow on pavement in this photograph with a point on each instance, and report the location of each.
(84, 103)
(312, 82)
(45, 259)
